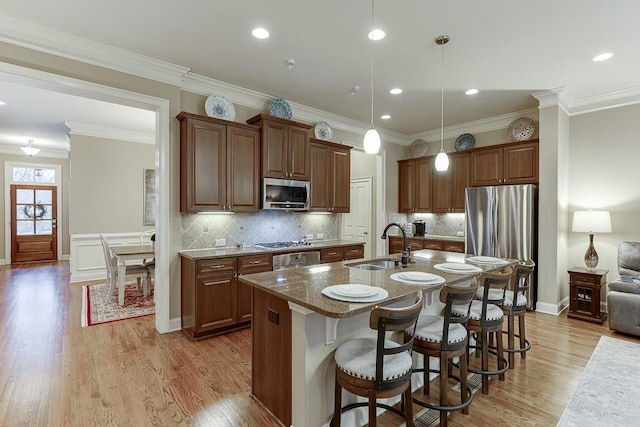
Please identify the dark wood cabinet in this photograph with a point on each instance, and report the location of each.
(449, 185)
(515, 163)
(353, 252)
(585, 289)
(415, 177)
(285, 147)
(213, 300)
(330, 177)
(341, 253)
(417, 243)
(219, 164)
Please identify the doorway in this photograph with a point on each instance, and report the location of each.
(34, 234)
(357, 223)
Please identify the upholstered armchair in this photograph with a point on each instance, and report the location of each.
(623, 299)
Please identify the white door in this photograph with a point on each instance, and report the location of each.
(357, 223)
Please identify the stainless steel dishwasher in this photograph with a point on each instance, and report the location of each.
(296, 259)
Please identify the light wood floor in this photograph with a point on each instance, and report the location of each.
(55, 373)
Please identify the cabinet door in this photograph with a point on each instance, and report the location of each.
(248, 265)
(216, 294)
(298, 153)
(406, 186)
(460, 175)
(275, 140)
(243, 160)
(202, 166)
(423, 184)
(521, 164)
(442, 189)
(331, 254)
(486, 167)
(320, 171)
(341, 179)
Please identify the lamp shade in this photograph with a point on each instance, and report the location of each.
(371, 141)
(442, 161)
(591, 222)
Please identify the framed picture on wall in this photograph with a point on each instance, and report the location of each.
(149, 197)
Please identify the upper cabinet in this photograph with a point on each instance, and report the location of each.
(415, 178)
(330, 177)
(285, 147)
(449, 185)
(219, 165)
(515, 163)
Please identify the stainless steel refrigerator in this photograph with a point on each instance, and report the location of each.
(501, 222)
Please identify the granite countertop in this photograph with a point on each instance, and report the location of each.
(252, 250)
(303, 286)
(432, 237)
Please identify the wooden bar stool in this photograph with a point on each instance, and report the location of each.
(515, 305)
(446, 337)
(378, 367)
(485, 321)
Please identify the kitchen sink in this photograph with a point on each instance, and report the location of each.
(377, 264)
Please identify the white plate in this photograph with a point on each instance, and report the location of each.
(354, 291)
(486, 260)
(379, 295)
(417, 276)
(434, 281)
(323, 131)
(458, 266)
(219, 107)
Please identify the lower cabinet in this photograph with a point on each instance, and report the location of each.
(343, 253)
(213, 300)
(395, 244)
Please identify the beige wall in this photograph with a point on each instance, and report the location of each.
(63, 188)
(107, 184)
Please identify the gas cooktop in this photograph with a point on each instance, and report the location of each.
(279, 245)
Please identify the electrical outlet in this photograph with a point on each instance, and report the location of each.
(320, 236)
(309, 236)
(274, 316)
(221, 242)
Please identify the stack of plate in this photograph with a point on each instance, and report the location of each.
(487, 260)
(355, 293)
(457, 267)
(417, 278)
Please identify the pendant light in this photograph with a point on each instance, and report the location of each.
(30, 150)
(442, 160)
(371, 141)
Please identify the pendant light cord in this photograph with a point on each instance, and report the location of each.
(442, 99)
(372, 41)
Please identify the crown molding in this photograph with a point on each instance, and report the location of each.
(476, 126)
(605, 101)
(44, 152)
(87, 129)
(206, 86)
(70, 46)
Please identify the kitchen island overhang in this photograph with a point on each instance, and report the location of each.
(296, 330)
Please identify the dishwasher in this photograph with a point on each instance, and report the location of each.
(296, 259)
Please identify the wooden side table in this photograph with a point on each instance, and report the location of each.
(585, 294)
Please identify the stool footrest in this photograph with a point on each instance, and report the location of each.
(448, 408)
(527, 347)
(361, 404)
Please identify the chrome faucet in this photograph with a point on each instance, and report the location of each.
(405, 249)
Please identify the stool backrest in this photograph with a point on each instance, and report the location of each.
(521, 279)
(492, 282)
(456, 296)
(389, 319)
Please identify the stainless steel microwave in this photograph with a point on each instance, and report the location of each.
(285, 194)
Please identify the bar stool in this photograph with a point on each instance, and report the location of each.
(515, 305)
(378, 367)
(446, 337)
(485, 321)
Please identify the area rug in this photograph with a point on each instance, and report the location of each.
(609, 390)
(98, 307)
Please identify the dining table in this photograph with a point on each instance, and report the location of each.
(123, 253)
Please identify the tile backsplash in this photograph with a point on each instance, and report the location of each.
(200, 231)
(438, 224)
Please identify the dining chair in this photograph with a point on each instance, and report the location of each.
(378, 367)
(138, 272)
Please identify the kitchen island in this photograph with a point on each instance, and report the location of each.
(296, 330)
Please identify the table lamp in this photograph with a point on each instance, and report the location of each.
(591, 222)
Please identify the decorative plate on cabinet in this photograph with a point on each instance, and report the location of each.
(418, 148)
(323, 131)
(466, 141)
(522, 129)
(220, 108)
(280, 108)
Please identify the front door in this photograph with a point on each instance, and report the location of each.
(357, 223)
(33, 223)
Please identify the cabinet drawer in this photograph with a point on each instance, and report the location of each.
(217, 265)
(331, 254)
(584, 279)
(255, 263)
(415, 244)
(354, 252)
(432, 244)
(453, 246)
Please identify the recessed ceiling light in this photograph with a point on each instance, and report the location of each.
(260, 33)
(471, 91)
(602, 57)
(385, 117)
(395, 91)
(376, 34)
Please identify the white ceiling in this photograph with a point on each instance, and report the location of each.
(506, 49)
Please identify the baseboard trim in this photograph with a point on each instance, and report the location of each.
(175, 324)
(554, 309)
